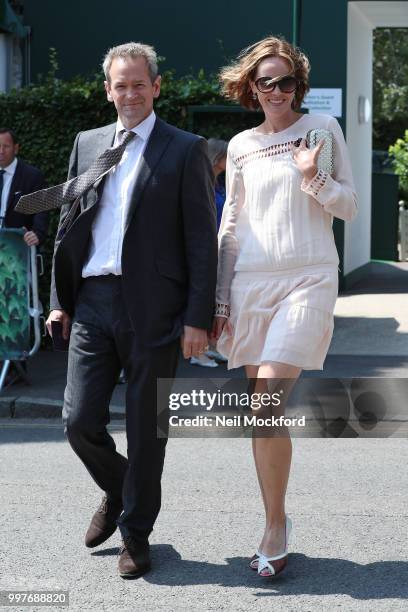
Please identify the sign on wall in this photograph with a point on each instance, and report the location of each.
(327, 101)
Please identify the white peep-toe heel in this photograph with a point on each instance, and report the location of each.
(271, 566)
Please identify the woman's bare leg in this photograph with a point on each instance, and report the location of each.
(252, 374)
(273, 458)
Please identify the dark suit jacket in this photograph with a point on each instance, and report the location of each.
(169, 253)
(26, 179)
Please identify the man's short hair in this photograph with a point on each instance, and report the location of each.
(6, 130)
(132, 49)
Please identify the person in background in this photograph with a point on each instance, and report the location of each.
(18, 178)
(217, 152)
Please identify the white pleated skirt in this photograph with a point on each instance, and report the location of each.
(284, 316)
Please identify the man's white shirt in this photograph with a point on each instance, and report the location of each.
(105, 250)
(7, 178)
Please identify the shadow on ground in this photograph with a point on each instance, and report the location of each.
(304, 575)
(382, 277)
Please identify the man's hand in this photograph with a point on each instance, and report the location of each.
(31, 239)
(194, 341)
(63, 317)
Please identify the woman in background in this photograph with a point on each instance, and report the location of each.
(217, 152)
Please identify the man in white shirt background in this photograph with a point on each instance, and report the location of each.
(18, 178)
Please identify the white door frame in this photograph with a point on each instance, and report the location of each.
(363, 17)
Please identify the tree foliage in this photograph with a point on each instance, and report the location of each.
(390, 85)
(399, 151)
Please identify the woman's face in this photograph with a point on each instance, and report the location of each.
(275, 103)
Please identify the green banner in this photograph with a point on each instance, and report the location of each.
(14, 295)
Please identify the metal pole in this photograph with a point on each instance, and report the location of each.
(36, 309)
(3, 373)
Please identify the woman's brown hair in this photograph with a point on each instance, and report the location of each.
(235, 77)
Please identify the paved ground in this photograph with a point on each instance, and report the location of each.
(347, 497)
(372, 319)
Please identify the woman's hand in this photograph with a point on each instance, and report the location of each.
(306, 159)
(217, 327)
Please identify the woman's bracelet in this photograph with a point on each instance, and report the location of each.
(222, 310)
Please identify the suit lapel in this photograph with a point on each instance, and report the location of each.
(103, 139)
(106, 138)
(16, 180)
(157, 144)
(95, 146)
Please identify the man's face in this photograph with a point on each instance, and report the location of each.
(8, 150)
(131, 89)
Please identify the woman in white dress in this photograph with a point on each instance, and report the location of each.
(278, 263)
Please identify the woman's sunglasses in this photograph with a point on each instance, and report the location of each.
(266, 84)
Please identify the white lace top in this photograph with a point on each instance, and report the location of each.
(272, 219)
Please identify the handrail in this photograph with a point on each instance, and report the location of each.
(36, 309)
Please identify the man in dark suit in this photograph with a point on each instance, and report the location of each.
(18, 178)
(134, 271)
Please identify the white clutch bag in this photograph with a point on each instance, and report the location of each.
(325, 161)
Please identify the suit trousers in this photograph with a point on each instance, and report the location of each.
(102, 342)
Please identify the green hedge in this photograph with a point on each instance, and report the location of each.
(47, 116)
(390, 85)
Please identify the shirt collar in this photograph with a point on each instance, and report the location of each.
(11, 168)
(143, 129)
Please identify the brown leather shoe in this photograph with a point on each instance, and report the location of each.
(134, 558)
(103, 523)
